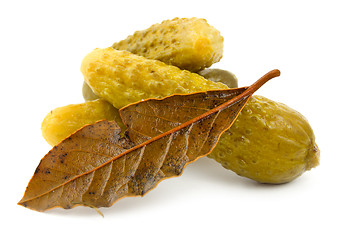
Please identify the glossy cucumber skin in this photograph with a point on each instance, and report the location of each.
(87, 92)
(269, 143)
(220, 75)
(63, 121)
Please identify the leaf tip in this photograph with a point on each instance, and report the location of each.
(22, 203)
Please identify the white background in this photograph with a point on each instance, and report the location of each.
(41, 46)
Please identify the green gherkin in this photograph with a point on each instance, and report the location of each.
(219, 75)
(269, 143)
(87, 92)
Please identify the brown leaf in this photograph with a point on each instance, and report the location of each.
(95, 166)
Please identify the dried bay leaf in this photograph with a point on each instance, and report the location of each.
(96, 166)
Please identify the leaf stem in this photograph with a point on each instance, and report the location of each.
(265, 78)
(254, 87)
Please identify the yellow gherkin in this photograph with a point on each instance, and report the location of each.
(63, 121)
(121, 77)
(212, 74)
(188, 43)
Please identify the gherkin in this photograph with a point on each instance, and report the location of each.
(212, 74)
(220, 75)
(87, 92)
(269, 143)
(188, 43)
(121, 77)
(63, 121)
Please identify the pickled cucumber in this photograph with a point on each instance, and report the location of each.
(212, 74)
(88, 94)
(188, 43)
(63, 121)
(121, 77)
(219, 75)
(269, 143)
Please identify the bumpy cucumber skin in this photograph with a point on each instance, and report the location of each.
(188, 43)
(211, 74)
(121, 77)
(269, 143)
